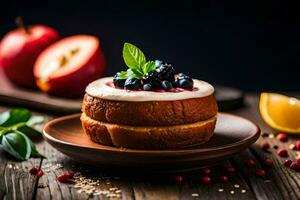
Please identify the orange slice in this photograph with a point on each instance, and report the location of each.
(280, 112)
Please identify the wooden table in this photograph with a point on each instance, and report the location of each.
(279, 183)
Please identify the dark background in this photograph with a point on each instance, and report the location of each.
(253, 45)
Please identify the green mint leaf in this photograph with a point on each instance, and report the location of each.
(29, 131)
(123, 75)
(148, 67)
(16, 144)
(133, 57)
(14, 116)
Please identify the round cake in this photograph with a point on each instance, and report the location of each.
(148, 119)
(148, 106)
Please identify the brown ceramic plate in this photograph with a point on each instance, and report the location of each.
(232, 134)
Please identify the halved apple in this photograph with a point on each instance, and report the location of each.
(66, 67)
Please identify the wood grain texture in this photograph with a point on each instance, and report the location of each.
(279, 183)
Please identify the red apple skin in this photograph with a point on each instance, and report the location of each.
(19, 50)
(73, 85)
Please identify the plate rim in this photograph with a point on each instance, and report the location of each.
(250, 139)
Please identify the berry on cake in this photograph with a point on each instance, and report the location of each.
(148, 106)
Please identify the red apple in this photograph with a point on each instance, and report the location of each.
(66, 67)
(19, 50)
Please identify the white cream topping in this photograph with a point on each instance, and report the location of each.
(100, 89)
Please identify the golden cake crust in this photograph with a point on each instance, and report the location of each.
(148, 137)
(150, 113)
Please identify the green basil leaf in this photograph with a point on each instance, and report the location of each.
(35, 120)
(133, 57)
(29, 131)
(16, 144)
(136, 73)
(123, 75)
(148, 67)
(14, 116)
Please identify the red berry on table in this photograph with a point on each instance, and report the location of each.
(265, 146)
(205, 170)
(223, 179)
(178, 179)
(268, 162)
(69, 174)
(33, 171)
(297, 145)
(40, 173)
(230, 169)
(205, 179)
(295, 166)
(288, 162)
(282, 152)
(63, 178)
(282, 137)
(261, 172)
(250, 163)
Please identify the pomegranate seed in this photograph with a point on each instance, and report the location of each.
(223, 179)
(230, 169)
(69, 174)
(205, 179)
(178, 179)
(33, 171)
(205, 170)
(40, 173)
(295, 166)
(250, 163)
(297, 145)
(287, 162)
(63, 178)
(268, 162)
(282, 137)
(265, 146)
(261, 172)
(282, 153)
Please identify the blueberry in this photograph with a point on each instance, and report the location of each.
(158, 63)
(132, 84)
(186, 83)
(175, 83)
(166, 72)
(118, 82)
(166, 85)
(153, 79)
(147, 87)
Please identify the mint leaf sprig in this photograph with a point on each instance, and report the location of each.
(16, 132)
(135, 60)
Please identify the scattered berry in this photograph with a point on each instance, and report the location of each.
(282, 152)
(265, 146)
(231, 169)
(206, 170)
(298, 145)
(268, 162)
(282, 137)
(63, 178)
(33, 171)
(132, 84)
(178, 179)
(223, 179)
(287, 162)
(69, 174)
(205, 179)
(295, 166)
(261, 172)
(250, 163)
(40, 173)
